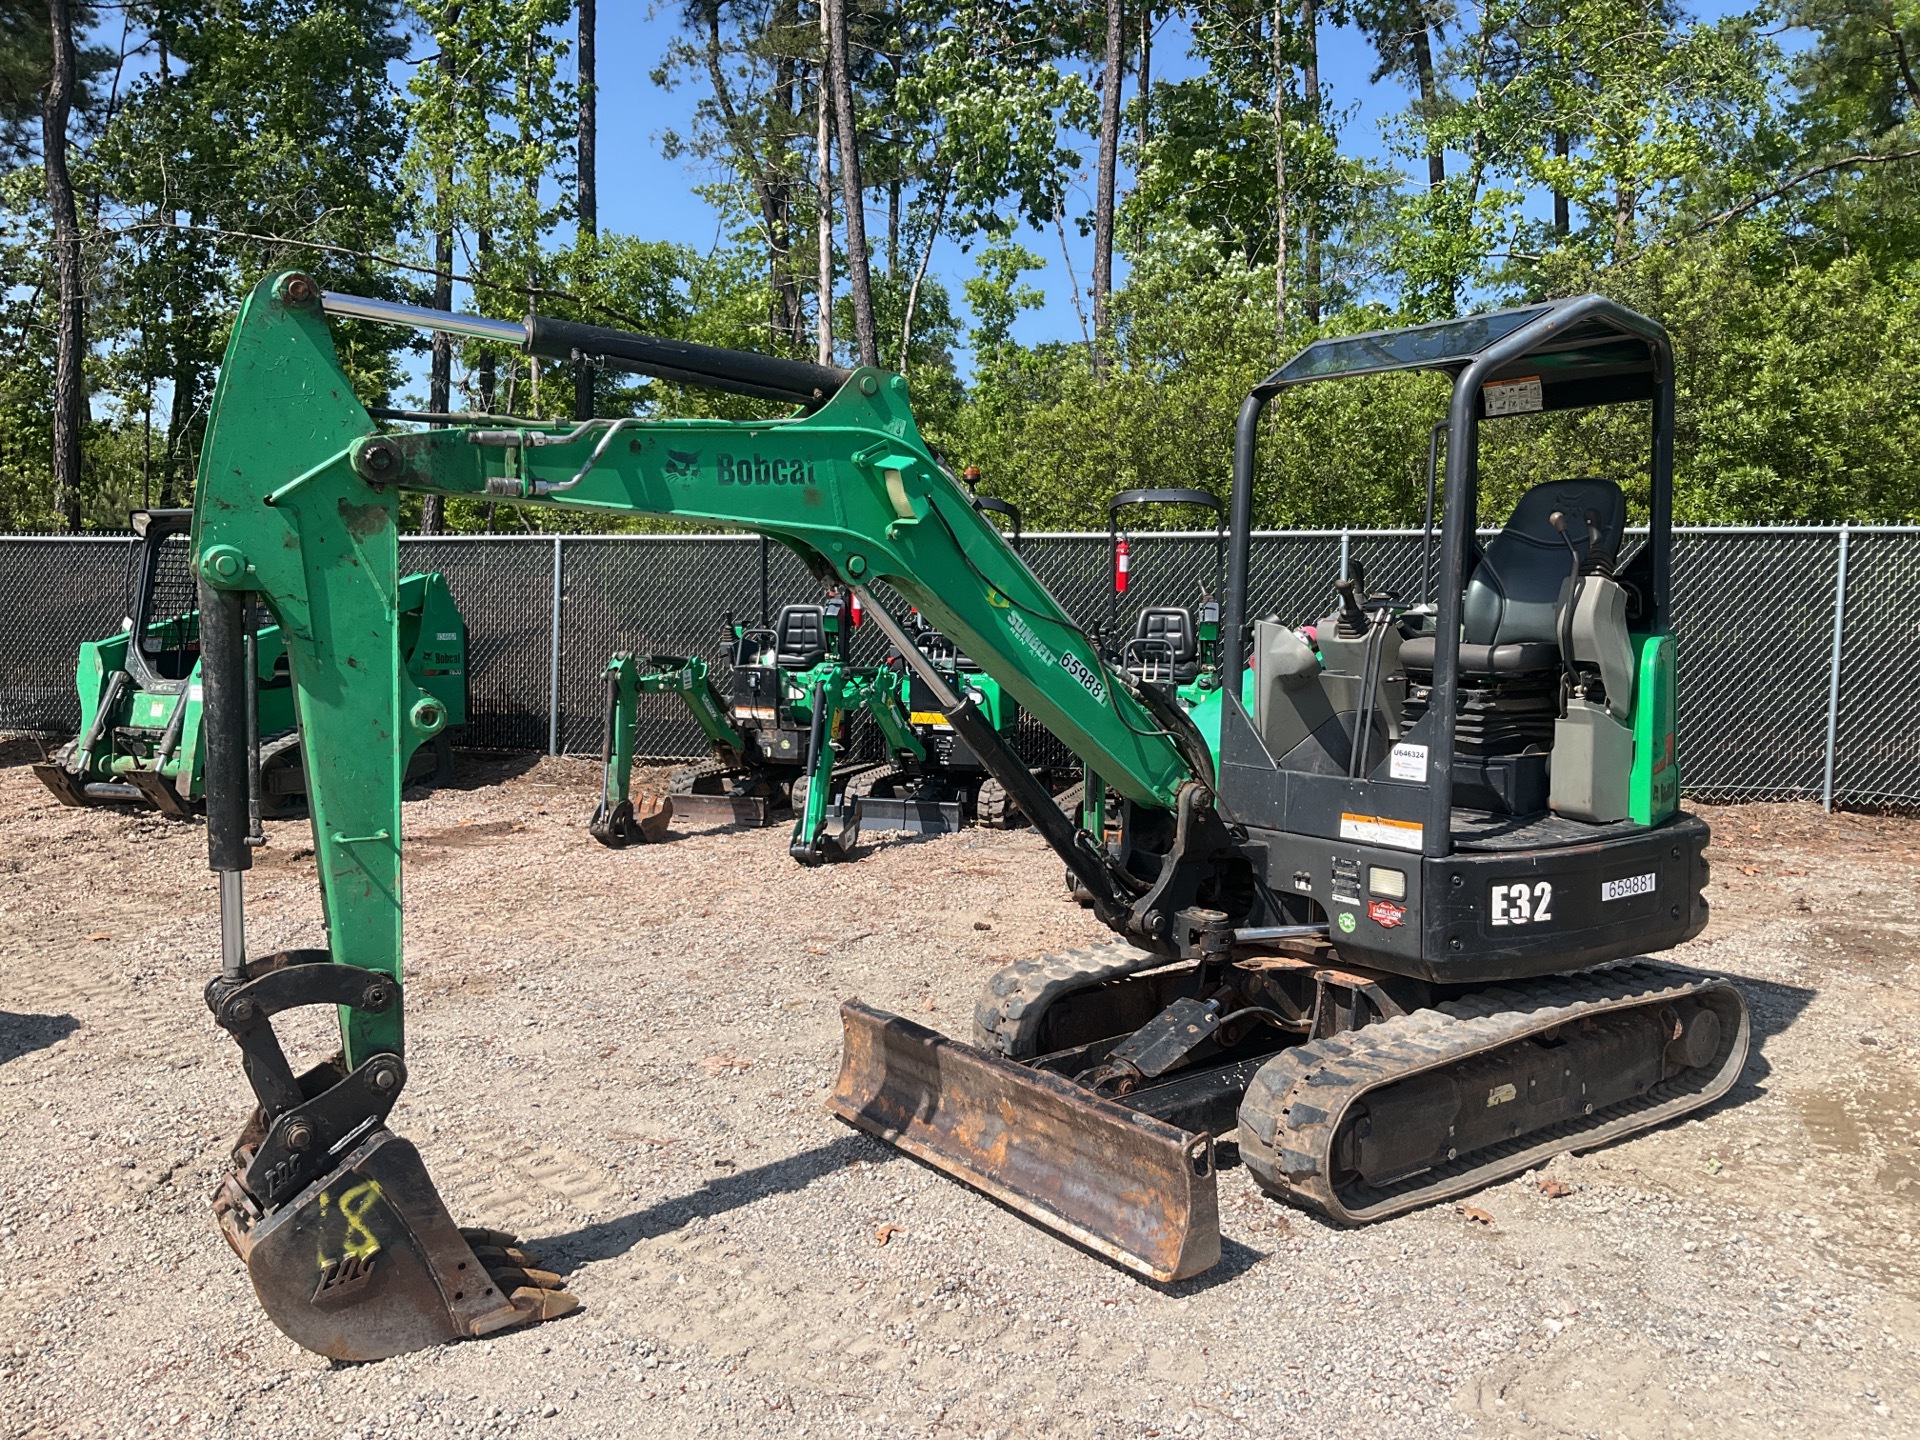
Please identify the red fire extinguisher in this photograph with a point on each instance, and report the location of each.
(1120, 566)
(854, 613)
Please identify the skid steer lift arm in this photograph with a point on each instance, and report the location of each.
(348, 1245)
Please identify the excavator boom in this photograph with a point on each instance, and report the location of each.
(298, 504)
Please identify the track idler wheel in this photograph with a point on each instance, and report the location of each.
(631, 823)
(365, 1262)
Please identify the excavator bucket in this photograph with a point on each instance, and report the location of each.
(643, 819)
(365, 1262)
(1134, 1188)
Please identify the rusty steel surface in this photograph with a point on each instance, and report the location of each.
(1135, 1189)
(366, 1262)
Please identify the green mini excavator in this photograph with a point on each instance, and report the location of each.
(1388, 935)
(760, 729)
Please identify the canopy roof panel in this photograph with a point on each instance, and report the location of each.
(1603, 342)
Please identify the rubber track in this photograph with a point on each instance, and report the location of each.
(1013, 1002)
(682, 781)
(1294, 1107)
(862, 784)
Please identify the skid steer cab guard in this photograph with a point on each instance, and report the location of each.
(139, 689)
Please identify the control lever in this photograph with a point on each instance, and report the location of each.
(1353, 620)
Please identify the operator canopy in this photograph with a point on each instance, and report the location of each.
(1584, 351)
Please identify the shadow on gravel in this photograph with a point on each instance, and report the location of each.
(1772, 1008)
(24, 1034)
(23, 750)
(607, 1238)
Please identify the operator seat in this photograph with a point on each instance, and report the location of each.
(1510, 619)
(801, 637)
(1167, 631)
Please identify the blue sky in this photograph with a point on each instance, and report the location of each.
(644, 194)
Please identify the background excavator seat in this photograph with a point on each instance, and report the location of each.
(1509, 623)
(1168, 634)
(802, 635)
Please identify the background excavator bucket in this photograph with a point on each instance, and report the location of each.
(366, 1262)
(643, 820)
(1134, 1188)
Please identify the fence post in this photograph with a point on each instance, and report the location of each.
(1833, 681)
(553, 676)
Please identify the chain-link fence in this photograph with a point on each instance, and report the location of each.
(1799, 648)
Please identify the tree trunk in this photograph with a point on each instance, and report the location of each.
(1562, 218)
(785, 311)
(588, 183)
(859, 275)
(69, 395)
(789, 317)
(483, 365)
(920, 274)
(823, 195)
(1108, 166)
(893, 225)
(1144, 86)
(1310, 227)
(1429, 91)
(1280, 171)
(433, 508)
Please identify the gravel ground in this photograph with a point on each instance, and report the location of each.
(622, 1056)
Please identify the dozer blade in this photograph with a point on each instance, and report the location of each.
(1134, 1188)
(366, 1262)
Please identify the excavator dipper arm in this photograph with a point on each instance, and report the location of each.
(298, 503)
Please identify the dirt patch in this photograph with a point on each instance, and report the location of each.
(622, 1054)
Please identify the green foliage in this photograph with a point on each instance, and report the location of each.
(1760, 197)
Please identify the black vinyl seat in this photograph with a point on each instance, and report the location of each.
(801, 637)
(1510, 621)
(1164, 635)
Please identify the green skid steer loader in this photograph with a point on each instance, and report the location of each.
(140, 692)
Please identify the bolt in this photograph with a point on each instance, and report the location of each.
(240, 1012)
(298, 1135)
(223, 562)
(869, 385)
(386, 1077)
(377, 460)
(376, 997)
(299, 291)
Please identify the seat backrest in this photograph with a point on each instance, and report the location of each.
(803, 636)
(1171, 624)
(1512, 593)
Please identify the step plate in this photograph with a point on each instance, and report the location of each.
(1133, 1188)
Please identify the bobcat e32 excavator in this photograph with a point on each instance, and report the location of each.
(1375, 935)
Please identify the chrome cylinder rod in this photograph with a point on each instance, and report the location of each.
(1256, 934)
(421, 317)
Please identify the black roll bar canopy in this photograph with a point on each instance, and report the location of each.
(1165, 495)
(1558, 355)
